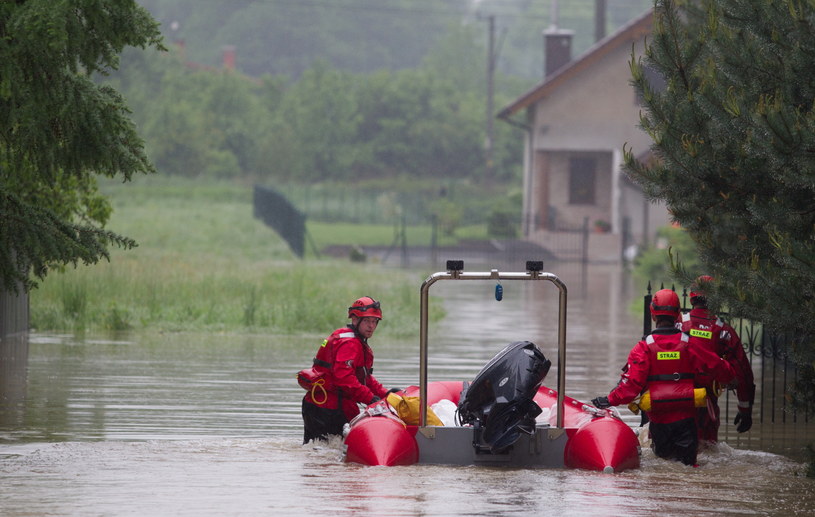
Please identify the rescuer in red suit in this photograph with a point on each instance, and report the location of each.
(344, 363)
(666, 365)
(706, 330)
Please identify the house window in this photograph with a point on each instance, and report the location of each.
(582, 172)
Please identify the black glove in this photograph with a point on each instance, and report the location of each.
(393, 390)
(600, 402)
(743, 422)
(374, 400)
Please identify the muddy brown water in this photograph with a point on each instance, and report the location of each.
(209, 425)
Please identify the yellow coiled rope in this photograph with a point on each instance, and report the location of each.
(319, 384)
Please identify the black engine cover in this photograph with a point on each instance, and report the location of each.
(500, 398)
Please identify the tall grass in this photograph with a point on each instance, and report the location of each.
(204, 263)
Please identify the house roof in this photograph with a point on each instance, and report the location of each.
(635, 30)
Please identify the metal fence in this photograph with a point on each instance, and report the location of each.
(354, 204)
(570, 243)
(442, 212)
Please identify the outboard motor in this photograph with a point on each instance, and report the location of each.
(500, 399)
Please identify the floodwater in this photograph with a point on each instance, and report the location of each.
(209, 425)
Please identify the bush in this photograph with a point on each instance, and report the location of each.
(653, 265)
(502, 224)
(502, 221)
(449, 214)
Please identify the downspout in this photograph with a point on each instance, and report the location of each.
(526, 216)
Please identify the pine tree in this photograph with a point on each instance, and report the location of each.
(59, 130)
(734, 142)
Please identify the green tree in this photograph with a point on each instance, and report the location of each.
(169, 114)
(329, 125)
(417, 124)
(734, 131)
(286, 37)
(199, 122)
(59, 130)
(321, 113)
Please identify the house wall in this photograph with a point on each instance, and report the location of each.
(593, 113)
(596, 109)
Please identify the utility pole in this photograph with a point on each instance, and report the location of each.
(599, 20)
(489, 173)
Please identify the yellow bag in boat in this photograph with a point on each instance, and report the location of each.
(409, 410)
(644, 403)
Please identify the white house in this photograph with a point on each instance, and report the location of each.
(576, 123)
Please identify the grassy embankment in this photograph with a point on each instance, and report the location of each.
(204, 263)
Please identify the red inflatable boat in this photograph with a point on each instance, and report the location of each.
(504, 417)
(593, 439)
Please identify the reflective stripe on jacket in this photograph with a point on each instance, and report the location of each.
(705, 331)
(670, 377)
(641, 364)
(727, 345)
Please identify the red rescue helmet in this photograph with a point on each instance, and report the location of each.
(665, 303)
(697, 290)
(365, 306)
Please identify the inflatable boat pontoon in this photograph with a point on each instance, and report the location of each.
(505, 416)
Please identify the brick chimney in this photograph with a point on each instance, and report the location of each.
(229, 57)
(557, 44)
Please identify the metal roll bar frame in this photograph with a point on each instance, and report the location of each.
(455, 271)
